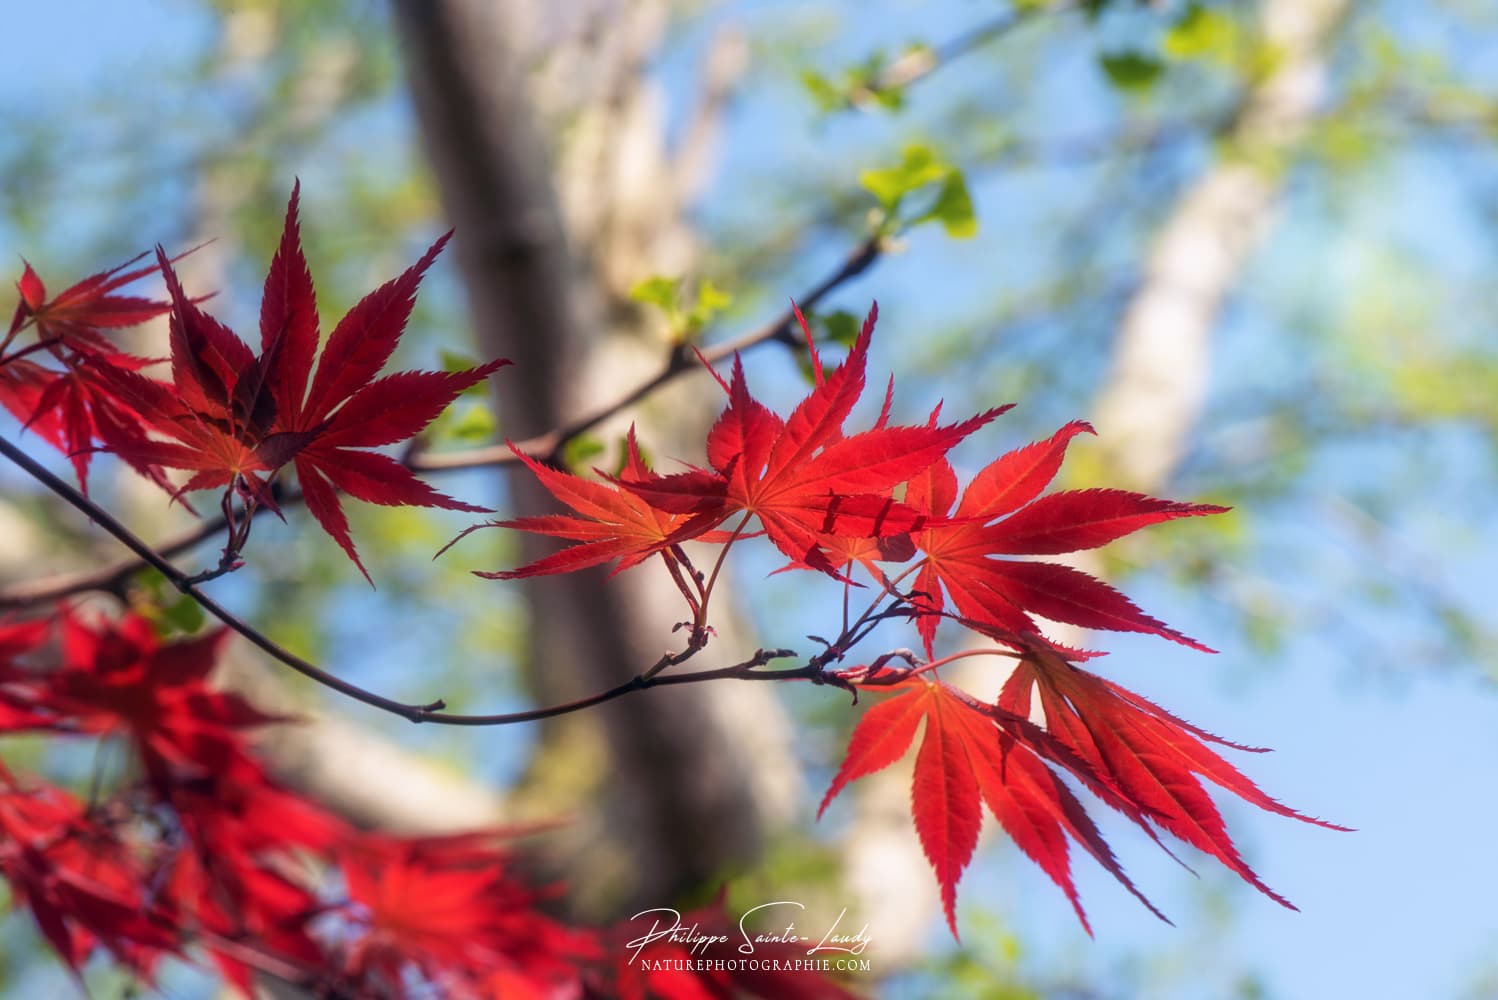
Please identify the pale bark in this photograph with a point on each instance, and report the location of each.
(1161, 361)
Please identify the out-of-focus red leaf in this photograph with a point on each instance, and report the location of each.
(84, 885)
(451, 910)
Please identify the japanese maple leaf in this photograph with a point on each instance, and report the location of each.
(19, 638)
(230, 898)
(999, 515)
(451, 909)
(610, 522)
(18, 709)
(966, 760)
(69, 409)
(802, 477)
(238, 873)
(1147, 761)
(72, 411)
(75, 316)
(236, 418)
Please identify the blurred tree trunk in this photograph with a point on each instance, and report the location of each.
(673, 789)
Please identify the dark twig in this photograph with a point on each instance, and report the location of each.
(433, 711)
(184, 584)
(813, 670)
(745, 671)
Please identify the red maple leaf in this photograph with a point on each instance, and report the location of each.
(1133, 755)
(121, 678)
(239, 873)
(610, 523)
(450, 909)
(999, 515)
(236, 418)
(1140, 758)
(803, 477)
(966, 760)
(233, 873)
(18, 709)
(74, 317)
(71, 410)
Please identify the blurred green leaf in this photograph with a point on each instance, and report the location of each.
(888, 98)
(861, 85)
(1201, 33)
(581, 450)
(169, 612)
(841, 326)
(475, 423)
(658, 291)
(1131, 70)
(184, 615)
(918, 168)
(954, 208)
(827, 96)
(711, 300)
(668, 295)
(454, 361)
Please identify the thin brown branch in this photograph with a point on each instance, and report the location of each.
(113, 578)
(433, 711)
(184, 584)
(920, 63)
(748, 670)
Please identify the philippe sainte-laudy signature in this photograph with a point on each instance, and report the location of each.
(666, 925)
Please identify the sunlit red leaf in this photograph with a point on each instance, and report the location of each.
(75, 315)
(969, 757)
(235, 419)
(611, 522)
(803, 478)
(1150, 760)
(999, 515)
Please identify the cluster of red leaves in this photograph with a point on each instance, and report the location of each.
(81, 878)
(230, 418)
(65, 404)
(202, 852)
(831, 501)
